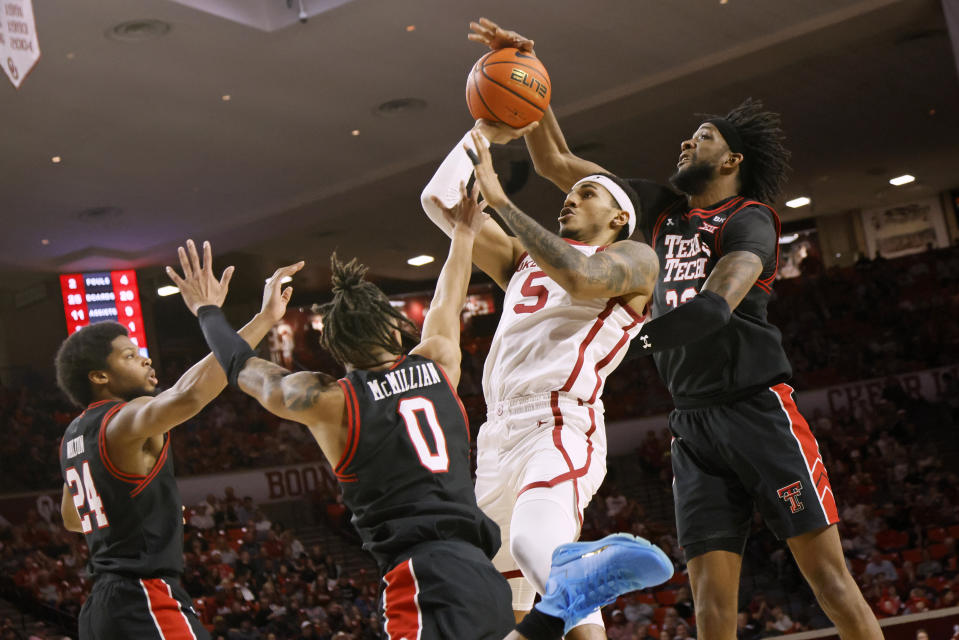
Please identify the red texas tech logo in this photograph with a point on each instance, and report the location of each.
(790, 494)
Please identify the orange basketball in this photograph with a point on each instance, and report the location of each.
(508, 86)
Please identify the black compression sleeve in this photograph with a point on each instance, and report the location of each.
(540, 626)
(230, 350)
(696, 319)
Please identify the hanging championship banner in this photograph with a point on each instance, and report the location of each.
(19, 47)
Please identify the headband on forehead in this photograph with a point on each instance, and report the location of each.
(622, 200)
(729, 132)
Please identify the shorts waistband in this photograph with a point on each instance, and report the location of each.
(537, 402)
(112, 576)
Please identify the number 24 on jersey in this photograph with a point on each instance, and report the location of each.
(86, 497)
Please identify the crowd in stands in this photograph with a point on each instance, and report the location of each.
(842, 324)
(890, 465)
(251, 579)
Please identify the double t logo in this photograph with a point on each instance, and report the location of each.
(790, 494)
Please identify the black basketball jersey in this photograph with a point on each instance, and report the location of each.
(405, 471)
(747, 353)
(133, 524)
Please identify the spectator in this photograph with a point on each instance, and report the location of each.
(746, 628)
(880, 568)
(637, 611)
(684, 603)
(615, 502)
(780, 621)
(889, 604)
(245, 510)
(928, 567)
(202, 517)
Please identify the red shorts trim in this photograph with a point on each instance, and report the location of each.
(166, 611)
(810, 452)
(573, 474)
(401, 607)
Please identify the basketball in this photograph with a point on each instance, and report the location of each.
(508, 86)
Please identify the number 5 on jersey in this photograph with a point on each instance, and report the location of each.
(530, 290)
(85, 493)
(438, 462)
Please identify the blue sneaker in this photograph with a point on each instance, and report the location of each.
(587, 575)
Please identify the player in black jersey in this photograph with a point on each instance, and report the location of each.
(739, 439)
(397, 436)
(117, 466)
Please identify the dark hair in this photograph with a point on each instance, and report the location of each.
(633, 198)
(83, 352)
(360, 317)
(765, 162)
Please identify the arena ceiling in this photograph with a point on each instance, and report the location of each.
(243, 135)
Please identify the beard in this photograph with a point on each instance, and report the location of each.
(693, 179)
(570, 234)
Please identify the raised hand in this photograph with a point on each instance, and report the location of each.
(198, 286)
(486, 178)
(492, 35)
(500, 133)
(467, 215)
(275, 298)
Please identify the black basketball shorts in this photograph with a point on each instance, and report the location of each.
(443, 590)
(121, 608)
(755, 452)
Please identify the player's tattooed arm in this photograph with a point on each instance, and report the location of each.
(733, 276)
(626, 267)
(308, 397)
(303, 396)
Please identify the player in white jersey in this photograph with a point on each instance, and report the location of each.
(573, 302)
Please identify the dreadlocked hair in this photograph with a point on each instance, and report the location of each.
(765, 159)
(360, 318)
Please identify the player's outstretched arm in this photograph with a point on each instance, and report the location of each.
(547, 146)
(440, 339)
(494, 252)
(308, 397)
(626, 267)
(749, 240)
(146, 417)
(728, 283)
(552, 157)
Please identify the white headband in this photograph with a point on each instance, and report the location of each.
(622, 200)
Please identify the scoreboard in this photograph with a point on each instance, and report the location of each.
(104, 295)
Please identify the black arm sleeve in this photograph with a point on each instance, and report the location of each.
(230, 350)
(704, 314)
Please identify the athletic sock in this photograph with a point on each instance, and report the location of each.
(540, 626)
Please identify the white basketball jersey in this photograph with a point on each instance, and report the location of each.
(549, 341)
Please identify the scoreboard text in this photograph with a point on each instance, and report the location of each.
(104, 295)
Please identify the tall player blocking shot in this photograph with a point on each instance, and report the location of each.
(738, 437)
(119, 489)
(396, 433)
